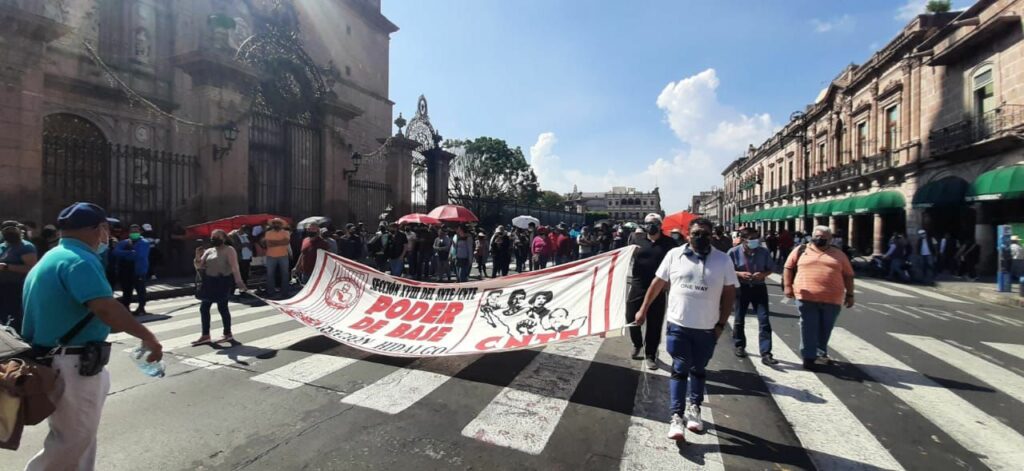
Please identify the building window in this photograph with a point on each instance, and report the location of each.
(984, 91)
(892, 127)
(862, 139)
(822, 149)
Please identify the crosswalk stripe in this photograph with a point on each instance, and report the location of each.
(246, 352)
(171, 303)
(524, 414)
(398, 391)
(927, 313)
(190, 321)
(304, 371)
(1008, 320)
(881, 289)
(186, 340)
(949, 315)
(865, 306)
(833, 437)
(647, 447)
(929, 293)
(897, 309)
(998, 377)
(986, 319)
(1008, 348)
(998, 446)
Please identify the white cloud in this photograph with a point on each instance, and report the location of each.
(713, 133)
(910, 9)
(843, 24)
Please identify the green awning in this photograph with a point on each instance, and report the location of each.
(821, 208)
(845, 206)
(773, 214)
(949, 191)
(881, 202)
(1005, 183)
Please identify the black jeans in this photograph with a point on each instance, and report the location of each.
(225, 316)
(653, 324)
(244, 267)
(757, 296)
(137, 284)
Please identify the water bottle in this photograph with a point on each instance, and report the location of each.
(154, 369)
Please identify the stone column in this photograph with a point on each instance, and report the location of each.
(833, 225)
(438, 166)
(223, 86)
(985, 237)
(398, 174)
(878, 240)
(338, 165)
(851, 232)
(25, 33)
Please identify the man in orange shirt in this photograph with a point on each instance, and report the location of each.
(818, 275)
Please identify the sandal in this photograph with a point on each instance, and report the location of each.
(201, 341)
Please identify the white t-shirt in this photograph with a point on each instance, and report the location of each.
(695, 286)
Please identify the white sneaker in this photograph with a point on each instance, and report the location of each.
(676, 430)
(823, 360)
(693, 422)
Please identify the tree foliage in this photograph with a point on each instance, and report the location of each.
(550, 200)
(938, 6)
(488, 168)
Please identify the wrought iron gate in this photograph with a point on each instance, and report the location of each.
(367, 201)
(134, 184)
(285, 167)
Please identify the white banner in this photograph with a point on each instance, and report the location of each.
(369, 310)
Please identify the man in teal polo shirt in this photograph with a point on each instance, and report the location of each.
(66, 286)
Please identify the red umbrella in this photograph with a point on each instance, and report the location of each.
(418, 218)
(452, 213)
(204, 230)
(680, 220)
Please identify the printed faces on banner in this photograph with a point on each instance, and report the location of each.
(373, 311)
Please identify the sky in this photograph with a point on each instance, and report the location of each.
(639, 93)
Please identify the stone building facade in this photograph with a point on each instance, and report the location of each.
(911, 139)
(621, 203)
(198, 109)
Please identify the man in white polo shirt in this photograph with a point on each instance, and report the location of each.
(702, 283)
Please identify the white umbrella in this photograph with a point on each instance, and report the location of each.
(523, 222)
(318, 220)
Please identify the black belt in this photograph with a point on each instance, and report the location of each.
(41, 351)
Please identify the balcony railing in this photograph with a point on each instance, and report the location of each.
(973, 130)
(876, 163)
(835, 175)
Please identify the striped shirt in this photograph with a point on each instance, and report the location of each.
(819, 275)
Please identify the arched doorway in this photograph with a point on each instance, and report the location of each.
(76, 163)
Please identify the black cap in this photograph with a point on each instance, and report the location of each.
(80, 216)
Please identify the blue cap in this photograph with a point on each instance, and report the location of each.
(80, 216)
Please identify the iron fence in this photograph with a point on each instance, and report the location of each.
(492, 212)
(367, 201)
(969, 131)
(134, 184)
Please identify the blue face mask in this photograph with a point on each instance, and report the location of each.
(753, 243)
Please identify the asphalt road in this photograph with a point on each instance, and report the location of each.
(924, 380)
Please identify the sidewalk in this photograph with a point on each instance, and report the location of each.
(983, 289)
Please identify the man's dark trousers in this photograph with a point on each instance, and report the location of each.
(654, 324)
(756, 295)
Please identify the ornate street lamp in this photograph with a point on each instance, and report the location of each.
(357, 159)
(230, 133)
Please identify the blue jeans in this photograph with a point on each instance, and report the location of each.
(816, 323)
(462, 267)
(277, 267)
(756, 295)
(691, 350)
(396, 265)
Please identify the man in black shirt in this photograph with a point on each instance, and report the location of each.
(653, 247)
(395, 249)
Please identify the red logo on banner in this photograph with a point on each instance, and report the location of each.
(302, 317)
(343, 293)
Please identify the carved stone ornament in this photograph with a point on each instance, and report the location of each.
(420, 129)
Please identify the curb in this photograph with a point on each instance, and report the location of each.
(992, 297)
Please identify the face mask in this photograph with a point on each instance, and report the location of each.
(134, 236)
(275, 228)
(820, 242)
(676, 236)
(12, 237)
(217, 242)
(701, 244)
(653, 229)
(753, 243)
